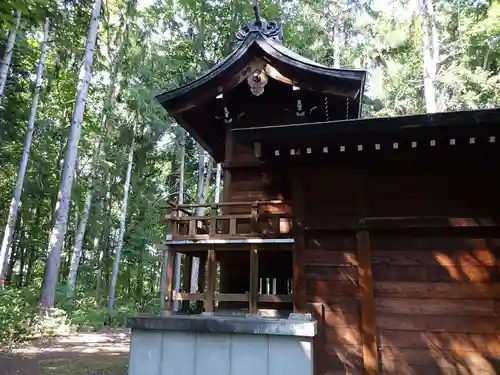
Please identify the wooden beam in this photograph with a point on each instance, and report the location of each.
(228, 158)
(275, 298)
(170, 276)
(254, 279)
(368, 323)
(186, 279)
(201, 278)
(299, 277)
(211, 278)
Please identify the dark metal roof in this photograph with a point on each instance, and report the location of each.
(192, 104)
(469, 118)
(303, 72)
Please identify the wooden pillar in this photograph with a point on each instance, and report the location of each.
(299, 279)
(169, 259)
(186, 279)
(200, 288)
(228, 157)
(368, 323)
(211, 278)
(254, 280)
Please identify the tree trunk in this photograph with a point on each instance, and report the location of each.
(217, 183)
(103, 240)
(108, 101)
(430, 53)
(61, 217)
(7, 56)
(16, 199)
(178, 256)
(123, 217)
(201, 196)
(77, 249)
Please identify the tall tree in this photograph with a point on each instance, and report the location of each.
(430, 52)
(16, 199)
(59, 228)
(7, 56)
(123, 218)
(178, 256)
(115, 63)
(202, 189)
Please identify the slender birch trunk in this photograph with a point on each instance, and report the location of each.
(217, 183)
(108, 101)
(61, 215)
(430, 52)
(7, 56)
(201, 196)
(121, 234)
(178, 256)
(77, 248)
(16, 199)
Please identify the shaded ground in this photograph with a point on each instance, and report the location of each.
(96, 353)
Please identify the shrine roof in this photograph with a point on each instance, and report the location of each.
(332, 93)
(299, 70)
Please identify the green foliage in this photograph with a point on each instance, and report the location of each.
(17, 314)
(21, 320)
(142, 50)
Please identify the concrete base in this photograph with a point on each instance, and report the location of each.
(275, 347)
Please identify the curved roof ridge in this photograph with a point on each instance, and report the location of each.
(342, 81)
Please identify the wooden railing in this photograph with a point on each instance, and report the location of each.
(233, 297)
(229, 220)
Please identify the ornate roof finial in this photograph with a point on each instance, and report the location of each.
(256, 9)
(269, 29)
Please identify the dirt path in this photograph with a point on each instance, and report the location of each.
(96, 353)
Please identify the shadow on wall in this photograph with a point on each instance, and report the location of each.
(435, 301)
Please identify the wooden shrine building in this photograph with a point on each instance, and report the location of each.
(385, 229)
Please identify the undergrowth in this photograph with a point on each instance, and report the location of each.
(21, 321)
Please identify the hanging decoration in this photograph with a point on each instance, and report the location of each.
(257, 81)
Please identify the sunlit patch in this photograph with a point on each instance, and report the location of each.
(446, 262)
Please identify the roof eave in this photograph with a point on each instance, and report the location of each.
(269, 50)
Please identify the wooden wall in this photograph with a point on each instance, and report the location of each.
(331, 275)
(436, 295)
(436, 304)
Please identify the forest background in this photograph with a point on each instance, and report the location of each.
(88, 157)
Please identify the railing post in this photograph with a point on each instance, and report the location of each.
(186, 282)
(174, 226)
(213, 220)
(254, 280)
(170, 266)
(211, 278)
(255, 218)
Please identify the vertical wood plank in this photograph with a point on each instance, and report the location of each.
(211, 278)
(254, 226)
(169, 285)
(232, 226)
(368, 324)
(213, 220)
(192, 227)
(317, 310)
(186, 279)
(299, 278)
(254, 279)
(200, 288)
(228, 157)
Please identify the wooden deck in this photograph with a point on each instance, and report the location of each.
(230, 223)
(228, 226)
